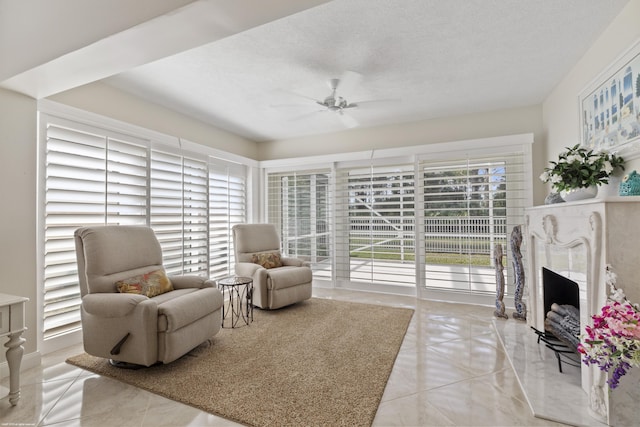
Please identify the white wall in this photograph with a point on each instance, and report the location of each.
(481, 125)
(102, 99)
(18, 197)
(560, 111)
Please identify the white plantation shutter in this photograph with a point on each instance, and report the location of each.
(429, 220)
(219, 224)
(227, 207)
(126, 183)
(237, 196)
(195, 221)
(299, 204)
(166, 207)
(74, 196)
(179, 211)
(470, 205)
(92, 177)
(375, 224)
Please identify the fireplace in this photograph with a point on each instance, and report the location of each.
(571, 243)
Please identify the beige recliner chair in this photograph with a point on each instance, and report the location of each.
(130, 312)
(277, 280)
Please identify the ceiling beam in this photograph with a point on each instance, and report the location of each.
(193, 25)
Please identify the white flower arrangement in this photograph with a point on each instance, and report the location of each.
(579, 167)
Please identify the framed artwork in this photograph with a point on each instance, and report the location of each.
(610, 106)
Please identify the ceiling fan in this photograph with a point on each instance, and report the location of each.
(335, 102)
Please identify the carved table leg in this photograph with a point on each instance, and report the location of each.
(14, 358)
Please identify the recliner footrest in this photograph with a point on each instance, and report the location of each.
(286, 277)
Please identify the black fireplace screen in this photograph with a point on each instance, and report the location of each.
(562, 323)
(559, 289)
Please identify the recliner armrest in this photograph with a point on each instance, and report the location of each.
(247, 269)
(191, 281)
(113, 305)
(295, 262)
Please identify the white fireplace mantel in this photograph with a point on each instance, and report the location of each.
(578, 239)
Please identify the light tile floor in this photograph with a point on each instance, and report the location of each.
(451, 370)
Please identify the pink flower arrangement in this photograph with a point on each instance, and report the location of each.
(613, 342)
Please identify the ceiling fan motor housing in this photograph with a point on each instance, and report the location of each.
(334, 103)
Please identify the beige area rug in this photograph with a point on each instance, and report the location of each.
(317, 363)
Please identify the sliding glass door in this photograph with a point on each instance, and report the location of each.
(299, 204)
(470, 206)
(375, 217)
(422, 223)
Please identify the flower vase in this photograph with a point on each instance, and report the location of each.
(579, 193)
(611, 189)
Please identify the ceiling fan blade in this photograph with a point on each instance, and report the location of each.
(372, 103)
(348, 81)
(296, 95)
(306, 115)
(347, 120)
(294, 106)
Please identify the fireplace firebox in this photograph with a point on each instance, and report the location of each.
(559, 289)
(561, 332)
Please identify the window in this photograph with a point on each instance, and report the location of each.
(418, 220)
(227, 207)
(179, 211)
(470, 205)
(375, 224)
(94, 176)
(299, 203)
(91, 178)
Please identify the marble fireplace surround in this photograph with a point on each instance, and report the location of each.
(577, 240)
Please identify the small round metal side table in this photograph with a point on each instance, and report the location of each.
(238, 292)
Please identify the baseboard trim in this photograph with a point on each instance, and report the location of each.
(29, 361)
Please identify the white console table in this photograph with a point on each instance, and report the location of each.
(12, 325)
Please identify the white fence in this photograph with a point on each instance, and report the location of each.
(463, 235)
(393, 238)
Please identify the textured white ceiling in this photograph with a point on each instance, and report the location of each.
(434, 58)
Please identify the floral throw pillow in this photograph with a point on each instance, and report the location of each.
(267, 259)
(148, 284)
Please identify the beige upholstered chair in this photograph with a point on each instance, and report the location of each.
(277, 280)
(130, 327)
